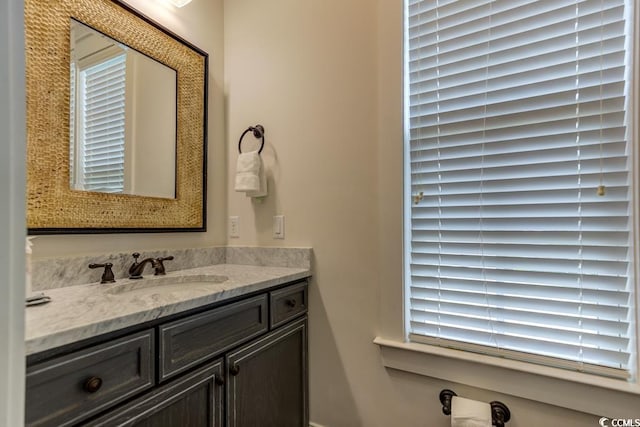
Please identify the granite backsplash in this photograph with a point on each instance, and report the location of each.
(51, 273)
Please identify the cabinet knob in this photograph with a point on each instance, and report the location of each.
(291, 302)
(218, 380)
(93, 384)
(234, 369)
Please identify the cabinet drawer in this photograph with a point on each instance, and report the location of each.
(65, 390)
(188, 342)
(288, 303)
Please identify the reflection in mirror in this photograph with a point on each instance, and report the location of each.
(122, 118)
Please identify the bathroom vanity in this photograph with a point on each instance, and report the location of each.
(229, 351)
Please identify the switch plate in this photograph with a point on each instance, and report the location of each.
(278, 227)
(234, 226)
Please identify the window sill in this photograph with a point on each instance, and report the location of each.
(581, 392)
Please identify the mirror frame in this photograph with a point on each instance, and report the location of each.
(52, 206)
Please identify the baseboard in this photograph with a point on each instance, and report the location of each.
(315, 425)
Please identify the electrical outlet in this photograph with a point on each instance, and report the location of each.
(234, 226)
(278, 227)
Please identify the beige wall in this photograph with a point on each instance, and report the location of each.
(324, 78)
(306, 70)
(153, 142)
(200, 22)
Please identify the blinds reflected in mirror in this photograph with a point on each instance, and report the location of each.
(99, 163)
(123, 106)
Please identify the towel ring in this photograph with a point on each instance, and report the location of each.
(258, 132)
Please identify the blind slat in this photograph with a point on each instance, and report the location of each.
(103, 121)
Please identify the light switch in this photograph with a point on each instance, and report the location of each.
(234, 226)
(278, 227)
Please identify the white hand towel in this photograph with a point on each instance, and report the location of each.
(262, 191)
(248, 171)
(250, 175)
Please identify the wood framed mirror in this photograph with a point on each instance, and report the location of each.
(150, 176)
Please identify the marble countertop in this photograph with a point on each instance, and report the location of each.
(83, 311)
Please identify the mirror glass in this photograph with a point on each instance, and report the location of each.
(122, 118)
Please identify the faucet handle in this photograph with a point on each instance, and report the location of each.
(135, 256)
(107, 275)
(159, 266)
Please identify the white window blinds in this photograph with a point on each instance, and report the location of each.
(102, 126)
(516, 115)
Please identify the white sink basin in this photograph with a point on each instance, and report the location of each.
(155, 284)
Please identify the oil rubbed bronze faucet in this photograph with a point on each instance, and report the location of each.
(136, 269)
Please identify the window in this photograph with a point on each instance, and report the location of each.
(100, 118)
(519, 206)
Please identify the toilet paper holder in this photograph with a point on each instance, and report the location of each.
(500, 414)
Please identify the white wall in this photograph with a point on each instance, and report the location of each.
(306, 70)
(324, 78)
(201, 23)
(153, 143)
(12, 214)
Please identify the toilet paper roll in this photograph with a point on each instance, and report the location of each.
(470, 413)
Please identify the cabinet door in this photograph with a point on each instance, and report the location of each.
(193, 400)
(267, 382)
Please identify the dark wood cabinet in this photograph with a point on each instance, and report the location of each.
(236, 364)
(267, 383)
